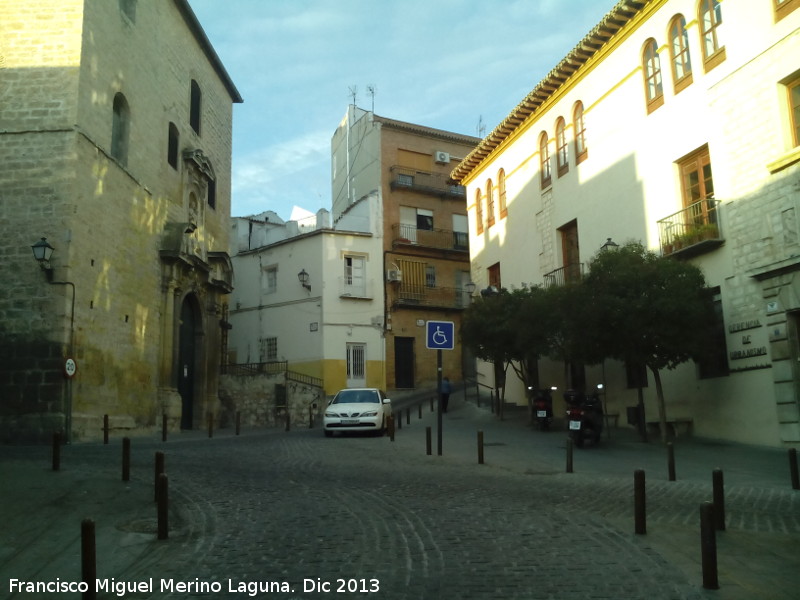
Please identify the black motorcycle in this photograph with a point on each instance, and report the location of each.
(543, 408)
(584, 417)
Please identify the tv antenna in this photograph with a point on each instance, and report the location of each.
(353, 93)
(371, 89)
(481, 127)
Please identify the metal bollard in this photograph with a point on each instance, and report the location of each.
(708, 546)
(793, 469)
(159, 470)
(569, 455)
(639, 502)
(164, 427)
(419, 410)
(88, 559)
(126, 459)
(408, 416)
(719, 500)
(428, 444)
(105, 429)
(56, 451)
(163, 507)
(399, 419)
(238, 422)
(480, 447)
(288, 425)
(311, 417)
(210, 425)
(671, 461)
(390, 425)
(431, 403)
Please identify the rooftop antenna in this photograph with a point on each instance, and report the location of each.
(481, 128)
(353, 93)
(371, 89)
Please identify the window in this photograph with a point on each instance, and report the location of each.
(212, 193)
(651, 65)
(489, 204)
(424, 219)
(710, 19)
(268, 349)
(544, 160)
(405, 179)
(494, 276)
(581, 150)
(715, 362)
(679, 53)
(120, 129)
(355, 280)
(784, 7)
(478, 212)
(271, 280)
(195, 107)
(562, 158)
(501, 192)
(793, 88)
(172, 146)
(460, 232)
(696, 181)
(430, 276)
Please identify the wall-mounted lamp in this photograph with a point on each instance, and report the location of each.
(609, 245)
(42, 251)
(470, 287)
(303, 277)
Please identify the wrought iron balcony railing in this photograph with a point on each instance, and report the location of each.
(571, 273)
(409, 295)
(436, 184)
(691, 231)
(442, 239)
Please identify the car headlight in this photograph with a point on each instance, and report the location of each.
(372, 413)
(331, 415)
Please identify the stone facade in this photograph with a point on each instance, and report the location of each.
(102, 154)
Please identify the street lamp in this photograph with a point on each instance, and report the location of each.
(42, 251)
(470, 288)
(609, 245)
(303, 277)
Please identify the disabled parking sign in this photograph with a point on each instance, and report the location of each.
(440, 335)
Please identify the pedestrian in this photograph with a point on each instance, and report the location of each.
(445, 393)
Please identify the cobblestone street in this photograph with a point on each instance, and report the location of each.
(385, 519)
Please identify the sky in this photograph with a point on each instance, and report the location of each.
(455, 65)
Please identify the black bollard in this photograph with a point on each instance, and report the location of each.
(428, 441)
(238, 422)
(399, 419)
(639, 502)
(210, 425)
(719, 500)
(431, 403)
(288, 422)
(390, 425)
(105, 429)
(159, 469)
(480, 447)
(671, 461)
(164, 427)
(88, 559)
(569, 455)
(408, 416)
(793, 469)
(310, 417)
(708, 546)
(56, 451)
(163, 507)
(419, 410)
(126, 459)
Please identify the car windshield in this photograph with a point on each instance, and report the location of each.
(356, 396)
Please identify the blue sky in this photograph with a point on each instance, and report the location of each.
(448, 64)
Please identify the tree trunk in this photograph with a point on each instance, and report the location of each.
(662, 410)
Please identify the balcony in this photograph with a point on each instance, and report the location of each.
(571, 273)
(441, 239)
(433, 184)
(691, 231)
(422, 296)
(355, 288)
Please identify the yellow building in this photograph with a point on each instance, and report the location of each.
(115, 146)
(676, 123)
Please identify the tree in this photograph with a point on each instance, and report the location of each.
(648, 309)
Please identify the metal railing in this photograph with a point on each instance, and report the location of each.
(436, 184)
(443, 239)
(270, 368)
(571, 273)
(424, 296)
(693, 227)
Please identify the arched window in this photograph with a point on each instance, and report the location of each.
(562, 156)
(651, 67)
(544, 160)
(195, 107)
(478, 212)
(581, 150)
(710, 18)
(172, 146)
(679, 53)
(120, 129)
(501, 192)
(489, 203)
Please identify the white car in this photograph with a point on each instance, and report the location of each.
(357, 409)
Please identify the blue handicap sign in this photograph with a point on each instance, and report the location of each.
(440, 335)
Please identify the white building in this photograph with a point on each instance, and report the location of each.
(676, 123)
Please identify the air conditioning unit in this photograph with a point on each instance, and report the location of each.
(442, 158)
(394, 275)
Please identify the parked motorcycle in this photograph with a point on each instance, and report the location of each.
(584, 416)
(543, 408)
